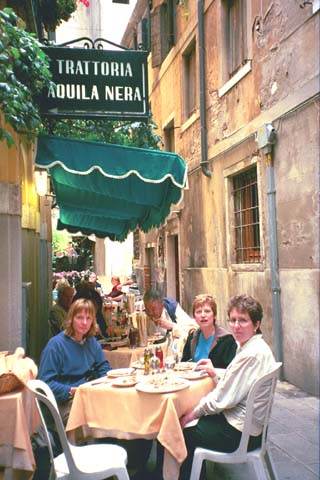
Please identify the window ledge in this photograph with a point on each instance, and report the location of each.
(190, 121)
(248, 267)
(235, 79)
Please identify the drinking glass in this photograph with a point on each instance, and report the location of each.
(133, 337)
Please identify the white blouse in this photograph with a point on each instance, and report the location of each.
(253, 360)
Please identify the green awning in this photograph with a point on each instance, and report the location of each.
(110, 190)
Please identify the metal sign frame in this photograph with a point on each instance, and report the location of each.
(93, 83)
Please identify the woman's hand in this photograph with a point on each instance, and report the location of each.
(186, 418)
(72, 391)
(206, 365)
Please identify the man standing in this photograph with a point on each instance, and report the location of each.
(58, 312)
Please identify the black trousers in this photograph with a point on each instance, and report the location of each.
(215, 433)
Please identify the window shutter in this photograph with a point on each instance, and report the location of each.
(156, 36)
(145, 34)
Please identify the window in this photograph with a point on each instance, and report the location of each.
(169, 143)
(236, 34)
(163, 31)
(143, 35)
(190, 76)
(246, 217)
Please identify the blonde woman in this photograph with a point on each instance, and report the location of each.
(73, 356)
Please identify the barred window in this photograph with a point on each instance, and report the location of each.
(246, 217)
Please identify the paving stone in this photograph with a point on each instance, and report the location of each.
(297, 447)
(294, 471)
(315, 467)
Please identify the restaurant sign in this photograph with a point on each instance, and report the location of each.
(94, 83)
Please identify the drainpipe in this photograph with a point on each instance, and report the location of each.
(204, 163)
(266, 137)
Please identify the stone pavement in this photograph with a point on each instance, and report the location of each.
(293, 439)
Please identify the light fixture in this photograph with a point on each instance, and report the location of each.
(41, 182)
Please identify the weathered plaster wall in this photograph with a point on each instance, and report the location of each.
(280, 88)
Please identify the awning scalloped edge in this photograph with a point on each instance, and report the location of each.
(108, 175)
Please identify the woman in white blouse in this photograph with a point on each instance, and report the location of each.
(221, 413)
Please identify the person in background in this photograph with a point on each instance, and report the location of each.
(87, 290)
(209, 340)
(222, 411)
(116, 293)
(94, 280)
(74, 356)
(58, 312)
(168, 316)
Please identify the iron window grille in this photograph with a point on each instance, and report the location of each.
(246, 217)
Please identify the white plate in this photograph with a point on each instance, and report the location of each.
(192, 374)
(120, 372)
(183, 366)
(125, 381)
(98, 381)
(137, 364)
(173, 385)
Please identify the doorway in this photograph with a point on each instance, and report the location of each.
(173, 277)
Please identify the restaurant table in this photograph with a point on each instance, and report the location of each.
(18, 420)
(123, 357)
(103, 410)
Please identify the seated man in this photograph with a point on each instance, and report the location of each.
(167, 314)
(58, 312)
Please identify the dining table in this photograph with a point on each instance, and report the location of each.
(103, 408)
(126, 356)
(19, 419)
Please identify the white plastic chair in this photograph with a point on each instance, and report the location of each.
(260, 457)
(94, 462)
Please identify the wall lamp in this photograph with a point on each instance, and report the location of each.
(41, 182)
(42, 185)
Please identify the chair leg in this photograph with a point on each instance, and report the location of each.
(270, 466)
(196, 467)
(122, 474)
(259, 468)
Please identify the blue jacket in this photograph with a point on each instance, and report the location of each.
(170, 305)
(66, 363)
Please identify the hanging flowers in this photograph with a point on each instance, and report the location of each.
(86, 3)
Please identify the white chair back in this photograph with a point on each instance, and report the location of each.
(43, 395)
(258, 409)
(261, 389)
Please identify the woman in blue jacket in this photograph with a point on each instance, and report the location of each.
(73, 356)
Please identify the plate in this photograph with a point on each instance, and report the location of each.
(193, 374)
(120, 372)
(155, 339)
(98, 381)
(129, 381)
(183, 366)
(137, 364)
(164, 385)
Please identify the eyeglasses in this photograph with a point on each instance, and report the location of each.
(241, 322)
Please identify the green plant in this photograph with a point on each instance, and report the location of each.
(24, 72)
(54, 11)
(138, 134)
